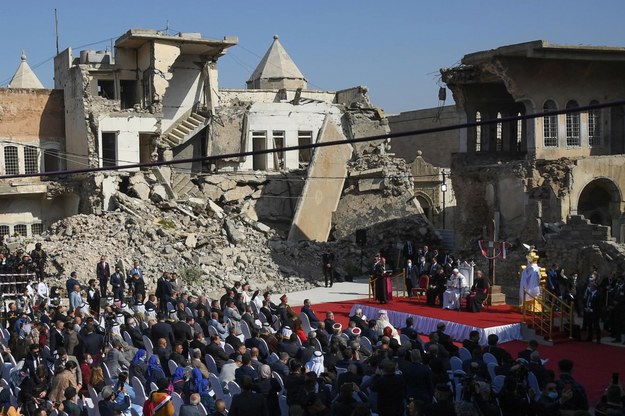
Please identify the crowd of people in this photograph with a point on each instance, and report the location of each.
(433, 273)
(118, 349)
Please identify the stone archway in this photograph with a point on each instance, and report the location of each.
(599, 202)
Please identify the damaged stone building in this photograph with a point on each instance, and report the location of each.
(530, 175)
(157, 98)
(32, 140)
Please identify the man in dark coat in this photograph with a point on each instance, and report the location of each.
(247, 402)
(103, 273)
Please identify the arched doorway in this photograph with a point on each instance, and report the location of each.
(599, 201)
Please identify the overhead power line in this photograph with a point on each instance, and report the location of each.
(397, 135)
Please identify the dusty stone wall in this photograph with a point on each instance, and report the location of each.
(436, 148)
(32, 115)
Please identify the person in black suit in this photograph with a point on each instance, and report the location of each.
(183, 333)
(592, 312)
(163, 350)
(214, 350)
(445, 340)
(327, 261)
(473, 342)
(307, 310)
(162, 329)
(357, 317)
(411, 277)
(247, 402)
(527, 352)
(103, 273)
(502, 356)
(418, 378)
(135, 333)
(437, 288)
(92, 341)
(57, 335)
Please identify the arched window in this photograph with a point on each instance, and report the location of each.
(519, 132)
(499, 135)
(478, 132)
(572, 125)
(550, 125)
(594, 125)
(11, 163)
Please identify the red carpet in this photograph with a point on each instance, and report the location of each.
(594, 363)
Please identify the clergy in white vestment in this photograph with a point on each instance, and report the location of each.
(451, 296)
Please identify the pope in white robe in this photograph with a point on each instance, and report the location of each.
(451, 296)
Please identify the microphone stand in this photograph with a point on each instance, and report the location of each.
(459, 291)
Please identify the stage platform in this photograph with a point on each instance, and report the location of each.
(501, 320)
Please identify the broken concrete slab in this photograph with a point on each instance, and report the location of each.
(319, 198)
(238, 193)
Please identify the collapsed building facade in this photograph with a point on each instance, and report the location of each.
(156, 98)
(528, 176)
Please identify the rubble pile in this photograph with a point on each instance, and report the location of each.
(208, 246)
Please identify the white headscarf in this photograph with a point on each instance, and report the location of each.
(316, 363)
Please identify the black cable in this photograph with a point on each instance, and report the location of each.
(324, 144)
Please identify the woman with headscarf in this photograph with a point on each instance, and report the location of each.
(178, 380)
(138, 366)
(269, 387)
(315, 364)
(154, 372)
(197, 383)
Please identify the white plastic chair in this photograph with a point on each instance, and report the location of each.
(229, 349)
(456, 364)
(215, 384)
(148, 345)
(305, 322)
(272, 358)
(279, 379)
(153, 387)
(127, 338)
(284, 407)
(139, 389)
(188, 311)
(491, 370)
(107, 375)
(177, 401)
(498, 383)
(245, 329)
(404, 340)
(202, 410)
(489, 358)
(233, 388)
(464, 354)
(366, 343)
(172, 367)
(533, 383)
(211, 364)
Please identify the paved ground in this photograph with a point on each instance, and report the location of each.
(358, 289)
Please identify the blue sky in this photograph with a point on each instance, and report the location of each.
(396, 48)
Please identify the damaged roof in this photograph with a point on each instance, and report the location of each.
(190, 43)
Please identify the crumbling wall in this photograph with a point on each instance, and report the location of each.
(365, 123)
(378, 198)
(579, 246)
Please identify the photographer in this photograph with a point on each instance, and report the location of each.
(613, 400)
(476, 399)
(551, 401)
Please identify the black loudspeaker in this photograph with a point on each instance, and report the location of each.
(361, 237)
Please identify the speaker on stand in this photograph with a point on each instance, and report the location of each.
(361, 240)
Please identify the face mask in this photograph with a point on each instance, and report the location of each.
(90, 361)
(552, 395)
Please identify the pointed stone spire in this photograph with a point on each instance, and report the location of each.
(24, 77)
(276, 70)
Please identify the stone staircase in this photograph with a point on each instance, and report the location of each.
(185, 129)
(182, 185)
(497, 297)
